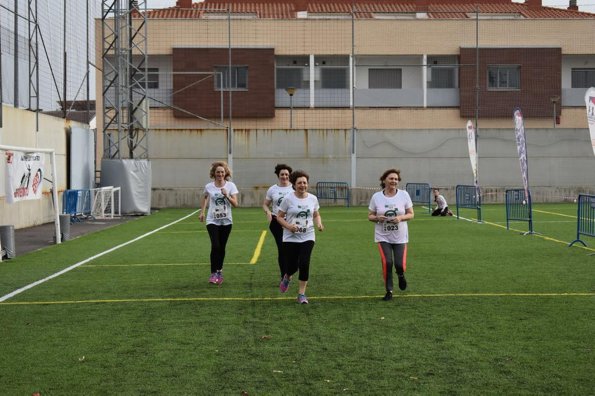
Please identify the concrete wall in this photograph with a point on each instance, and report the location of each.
(561, 161)
(19, 130)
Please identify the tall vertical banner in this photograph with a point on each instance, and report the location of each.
(521, 146)
(590, 102)
(24, 175)
(472, 144)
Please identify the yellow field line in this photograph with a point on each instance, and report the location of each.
(258, 249)
(327, 298)
(153, 265)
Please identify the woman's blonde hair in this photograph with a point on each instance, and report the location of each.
(217, 164)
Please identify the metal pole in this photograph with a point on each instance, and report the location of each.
(87, 64)
(55, 196)
(37, 68)
(16, 54)
(352, 72)
(129, 75)
(230, 130)
(1, 79)
(476, 74)
(64, 111)
(290, 111)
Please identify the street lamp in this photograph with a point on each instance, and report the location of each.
(554, 100)
(290, 91)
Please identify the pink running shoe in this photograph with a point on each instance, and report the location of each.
(213, 278)
(219, 277)
(284, 285)
(302, 299)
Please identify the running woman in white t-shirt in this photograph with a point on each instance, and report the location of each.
(220, 196)
(390, 209)
(298, 215)
(271, 204)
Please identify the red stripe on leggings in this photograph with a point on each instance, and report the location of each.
(405, 259)
(383, 259)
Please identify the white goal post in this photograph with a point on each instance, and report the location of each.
(106, 202)
(54, 175)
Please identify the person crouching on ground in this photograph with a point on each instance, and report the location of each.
(441, 205)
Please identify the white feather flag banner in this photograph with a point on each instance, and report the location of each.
(471, 142)
(521, 145)
(590, 102)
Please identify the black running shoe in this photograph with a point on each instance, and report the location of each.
(402, 282)
(388, 296)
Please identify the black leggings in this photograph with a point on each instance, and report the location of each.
(440, 212)
(277, 232)
(298, 258)
(219, 236)
(392, 255)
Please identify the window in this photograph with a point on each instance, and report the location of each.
(333, 77)
(384, 79)
(504, 77)
(289, 77)
(583, 78)
(152, 78)
(239, 78)
(442, 77)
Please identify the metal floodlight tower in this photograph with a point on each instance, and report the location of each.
(124, 79)
(33, 35)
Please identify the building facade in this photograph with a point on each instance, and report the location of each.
(384, 60)
(361, 74)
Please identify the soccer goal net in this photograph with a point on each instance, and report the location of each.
(105, 202)
(23, 171)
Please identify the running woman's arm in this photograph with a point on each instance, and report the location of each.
(318, 221)
(203, 207)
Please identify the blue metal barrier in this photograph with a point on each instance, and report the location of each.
(518, 208)
(76, 203)
(468, 197)
(334, 191)
(585, 218)
(420, 193)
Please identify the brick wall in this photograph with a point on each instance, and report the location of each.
(201, 98)
(540, 80)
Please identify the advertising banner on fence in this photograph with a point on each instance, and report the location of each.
(471, 142)
(521, 146)
(24, 175)
(590, 102)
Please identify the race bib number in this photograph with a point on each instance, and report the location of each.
(220, 213)
(388, 227)
(302, 226)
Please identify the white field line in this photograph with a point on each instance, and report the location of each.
(65, 270)
(547, 238)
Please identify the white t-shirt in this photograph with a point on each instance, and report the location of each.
(219, 211)
(299, 211)
(275, 194)
(391, 207)
(440, 202)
